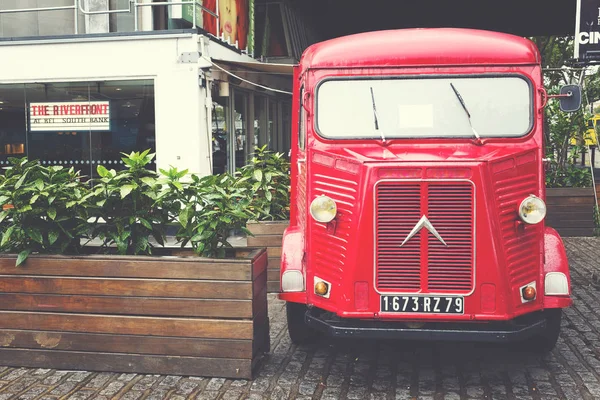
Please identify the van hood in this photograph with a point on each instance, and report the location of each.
(429, 152)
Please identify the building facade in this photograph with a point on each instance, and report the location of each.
(83, 81)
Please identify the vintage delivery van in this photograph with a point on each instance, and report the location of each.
(418, 191)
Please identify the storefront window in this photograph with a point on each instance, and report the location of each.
(49, 139)
(77, 124)
(236, 132)
(132, 120)
(13, 132)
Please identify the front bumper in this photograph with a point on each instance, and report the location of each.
(509, 331)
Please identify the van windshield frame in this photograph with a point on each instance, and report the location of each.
(424, 106)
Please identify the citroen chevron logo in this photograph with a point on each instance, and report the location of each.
(423, 223)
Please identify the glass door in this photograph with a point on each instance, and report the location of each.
(232, 131)
(260, 120)
(286, 127)
(220, 135)
(273, 124)
(241, 145)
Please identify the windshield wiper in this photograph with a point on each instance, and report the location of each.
(464, 106)
(375, 115)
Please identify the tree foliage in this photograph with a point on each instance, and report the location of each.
(564, 131)
(220, 205)
(557, 54)
(128, 207)
(267, 176)
(43, 209)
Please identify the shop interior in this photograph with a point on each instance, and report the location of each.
(131, 127)
(243, 119)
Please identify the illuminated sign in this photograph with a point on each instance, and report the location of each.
(69, 116)
(587, 30)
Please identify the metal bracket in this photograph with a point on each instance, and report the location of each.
(195, 57)
(191, 57)
(202, 79)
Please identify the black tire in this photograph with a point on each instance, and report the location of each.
(546, 341)
(299, 332)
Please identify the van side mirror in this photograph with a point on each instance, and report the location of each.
(570, 98)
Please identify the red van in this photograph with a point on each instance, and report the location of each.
(418, 191)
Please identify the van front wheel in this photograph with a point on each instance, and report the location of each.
(546, 341)
(299, 332)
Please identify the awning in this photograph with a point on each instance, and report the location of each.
(269, 68)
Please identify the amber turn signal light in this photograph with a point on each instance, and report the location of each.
(529, 293)
(321, 288)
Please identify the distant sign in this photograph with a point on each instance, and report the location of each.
(188, 13)
(69, 116)
(587, 30)
(236, 22)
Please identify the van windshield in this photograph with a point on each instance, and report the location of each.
(498, 106)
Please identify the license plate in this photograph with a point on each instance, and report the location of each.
(423, 304)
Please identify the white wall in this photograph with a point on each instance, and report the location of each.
(180, 108)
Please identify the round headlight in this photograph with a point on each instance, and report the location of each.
(323, 209)
(532, 210)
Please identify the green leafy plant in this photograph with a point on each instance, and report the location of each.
(175, 193)
(267, 176)
(128, 206)
(567, 176)
(43, 209)
(47, 209)
(562, 127)
(220, 204)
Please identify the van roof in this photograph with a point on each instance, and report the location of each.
(421, 47)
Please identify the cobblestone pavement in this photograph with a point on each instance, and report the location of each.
(352, 369)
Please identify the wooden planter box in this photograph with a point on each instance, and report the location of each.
(571, 211)
(269, 234)
(154, 315)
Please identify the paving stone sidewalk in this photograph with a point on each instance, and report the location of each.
(353, 369)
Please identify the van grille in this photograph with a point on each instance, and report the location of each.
(423, 263)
